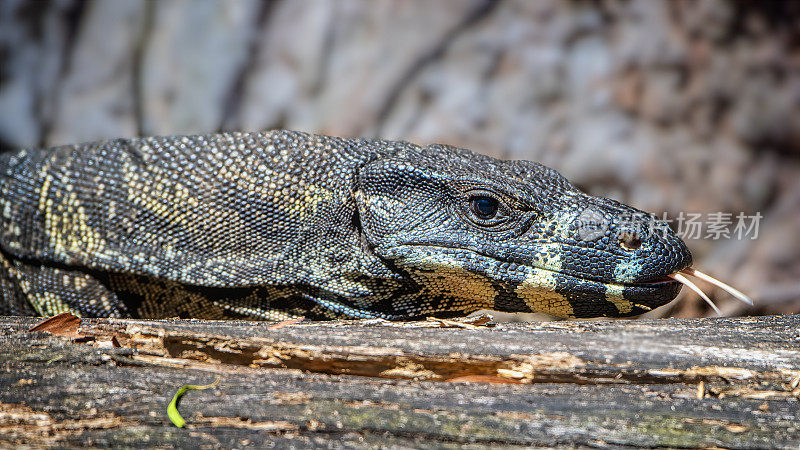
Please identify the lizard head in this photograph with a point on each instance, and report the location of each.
(476, 232)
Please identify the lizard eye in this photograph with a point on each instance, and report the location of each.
(485, 208)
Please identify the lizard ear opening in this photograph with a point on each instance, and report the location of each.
(358, 227)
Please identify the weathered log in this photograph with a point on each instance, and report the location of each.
(674, 383)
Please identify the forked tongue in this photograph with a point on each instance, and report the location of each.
(680, 276)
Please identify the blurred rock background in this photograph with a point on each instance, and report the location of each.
(676, 107)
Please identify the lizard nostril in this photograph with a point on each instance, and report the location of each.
(629, 241)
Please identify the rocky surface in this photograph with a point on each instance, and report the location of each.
(675, 107)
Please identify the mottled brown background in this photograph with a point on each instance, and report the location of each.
(672, 106)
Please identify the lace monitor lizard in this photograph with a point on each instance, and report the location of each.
(279, 224)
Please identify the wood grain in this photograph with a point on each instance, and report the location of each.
(674, 383)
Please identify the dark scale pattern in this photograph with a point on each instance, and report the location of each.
(269, 226)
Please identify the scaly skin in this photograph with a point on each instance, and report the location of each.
(283, 224)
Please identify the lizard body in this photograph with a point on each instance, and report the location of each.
(283, 224)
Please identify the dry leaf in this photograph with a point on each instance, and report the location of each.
(64, 324)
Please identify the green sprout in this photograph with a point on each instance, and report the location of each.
(172, 409)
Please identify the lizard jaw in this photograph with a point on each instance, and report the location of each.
(528, 288)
